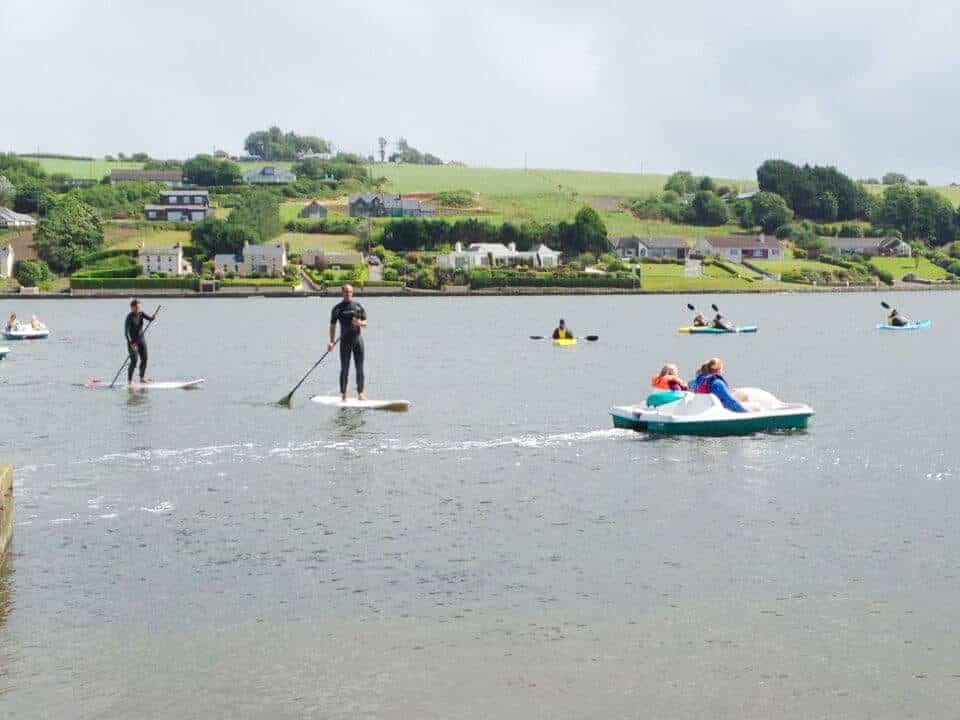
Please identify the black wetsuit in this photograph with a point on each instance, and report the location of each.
(350, 341)
(133, 328)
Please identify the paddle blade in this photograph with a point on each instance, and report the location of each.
(884, 305)
(690, 307)
(715, 308)
(591, 338)
(285, 400)
(536, 337)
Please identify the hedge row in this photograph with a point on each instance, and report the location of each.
(506, 278)
(330, 227)
(104, 254)
(141, 283)
(662, 261)
(260, 282)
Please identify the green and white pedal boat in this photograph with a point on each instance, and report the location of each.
(685, 413)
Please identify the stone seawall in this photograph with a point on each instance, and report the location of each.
(6, 507)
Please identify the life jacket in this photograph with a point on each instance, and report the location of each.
(666, 382)
(563, 334)
(704, 383)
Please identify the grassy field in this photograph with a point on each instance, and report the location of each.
(298, 242)
(515, 181)
(950, 192)
(94, 169)
(899, 267)
(128, 236)
(775, 267)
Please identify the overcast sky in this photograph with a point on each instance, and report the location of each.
(712, 87)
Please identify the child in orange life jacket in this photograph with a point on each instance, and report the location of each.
(668, 378)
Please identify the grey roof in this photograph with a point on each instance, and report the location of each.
(392, 202)
(122, 174)
(632, 241)
(184, 192)
(269, 171)
(8, 216)
(851, 243)
(178, 207)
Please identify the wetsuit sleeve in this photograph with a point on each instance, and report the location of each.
(335, 314)
(148, 317)
(720, 389)
(556, 334)
(128, 329)
(362, 314)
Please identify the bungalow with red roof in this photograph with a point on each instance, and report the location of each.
(738, 248)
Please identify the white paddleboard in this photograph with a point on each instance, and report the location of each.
(163, 385)
(336, 401)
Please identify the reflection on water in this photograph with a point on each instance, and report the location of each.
(6, 586)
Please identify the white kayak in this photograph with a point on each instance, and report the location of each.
(162, 385)
(337, 401)
(25, 332)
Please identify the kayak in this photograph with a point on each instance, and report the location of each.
(689, 413)
(162, 385)
(565, 342)
(918, 325)
(25, 332)
(717, 331)
(337, 401)
(3, 352)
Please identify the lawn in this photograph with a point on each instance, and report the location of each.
(775, 267)
(516, 181)
(898, 267)
(952, 193)
(291, 210)
(94, 169)
(298, 242)
(670, 277)
(128, 236)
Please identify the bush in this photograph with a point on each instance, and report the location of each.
(329, 226)
(885, 277)
(511, 278)
(31, 273)
(131, 271)
(390, 274)
(455, 198)
(799, 253)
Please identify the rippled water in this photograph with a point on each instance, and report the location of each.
(498, 551)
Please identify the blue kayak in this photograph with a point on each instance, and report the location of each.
(918, 325)
(708, 330)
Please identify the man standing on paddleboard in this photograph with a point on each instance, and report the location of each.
(133, 328)
(352, 318)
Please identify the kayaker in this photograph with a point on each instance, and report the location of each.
(562, 332)
(35, 323)
(721, 324)
(699, 320)
(133, 328)
(668, 378)
(352, 318)
(710, 380)
(898, 319)
(12, 322)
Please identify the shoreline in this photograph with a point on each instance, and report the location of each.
(457, 292)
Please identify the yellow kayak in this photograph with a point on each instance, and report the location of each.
(565, 342)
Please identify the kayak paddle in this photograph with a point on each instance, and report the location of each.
(145, 330)
(590, 338)
(887, 307)
(285, 400)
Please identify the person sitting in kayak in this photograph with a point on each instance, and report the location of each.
(12, 323)
(699, 320)
(720, 324)
(35, 323)
(710, 380)
(668, 378)
(898, 319)
(562, 332)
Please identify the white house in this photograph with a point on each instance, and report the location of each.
(490, 254)
(6, 260)
(268, 259)
(11, 219)
(652, 247)
(167, 260)
(741, 247)
(870, 246)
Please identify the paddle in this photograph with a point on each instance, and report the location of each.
(590, 338)
(149, 322)
(285, 400)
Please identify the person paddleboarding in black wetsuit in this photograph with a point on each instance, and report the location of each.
(133, 328)
(352, 318)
